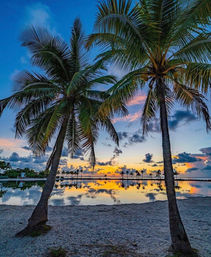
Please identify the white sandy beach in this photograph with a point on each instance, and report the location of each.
(118, 230)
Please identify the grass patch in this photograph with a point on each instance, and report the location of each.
(57, 252)
(40, 230)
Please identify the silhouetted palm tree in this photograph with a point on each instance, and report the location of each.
(61, 103)
(166, 44)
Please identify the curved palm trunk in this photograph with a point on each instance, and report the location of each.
(180, 241)
(40, 213)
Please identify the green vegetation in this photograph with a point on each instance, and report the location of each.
(61, 101)
(166, 47)
(4, 165)
(29, 173)
(57, 252)
(42, 229)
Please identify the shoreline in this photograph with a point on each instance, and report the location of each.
(102, 178)
(140, 229)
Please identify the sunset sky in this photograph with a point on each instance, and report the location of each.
(191, 145)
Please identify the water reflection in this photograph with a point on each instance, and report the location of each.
(82, 192)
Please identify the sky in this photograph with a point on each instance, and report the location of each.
(191, 144)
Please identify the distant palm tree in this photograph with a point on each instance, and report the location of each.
(138, 173)
(142, 172)
(166, 44)
(122, 174)
(62, 102)
(158, 174)
(127, 172)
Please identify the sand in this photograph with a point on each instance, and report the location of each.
(118, 230)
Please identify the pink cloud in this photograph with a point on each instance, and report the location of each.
(129, 117)
(10, 142)
(139, 99)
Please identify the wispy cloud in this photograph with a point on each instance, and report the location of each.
(139, 99)
(130, 117)
(38, 15)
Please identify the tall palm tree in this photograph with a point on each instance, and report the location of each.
(61, 105)
(167, 46)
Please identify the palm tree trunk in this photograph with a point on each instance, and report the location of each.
(180, 241)
(40, 213)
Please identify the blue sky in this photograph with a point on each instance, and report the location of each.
(188, 134)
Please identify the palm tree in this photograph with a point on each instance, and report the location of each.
(62, 103)
(166, 45)
(142, 172)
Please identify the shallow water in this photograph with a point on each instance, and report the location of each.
(86, 192)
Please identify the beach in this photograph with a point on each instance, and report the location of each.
(107, 230)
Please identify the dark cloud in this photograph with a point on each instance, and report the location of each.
(181, 116)
(27, 148)
(30, 161)
(78, 155)
(41, 159)
(131, 138)
(154, 125)
(136, 138)
(206, 150)
(185, 157)
(108, 163)
(116, 153)
(122, 135)
(1, 151)
(148, 158)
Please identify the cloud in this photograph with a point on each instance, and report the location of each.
(148, 158)
(206, 150)
(78, 155)
(122, 135)
(116, 153)
(14, 74)
(130, 117)
(31, 161)
(136, 100)
(27, 148)
(14, 157)
(108, 163)
(136, 138)
(179, 117)
(185, 157)
(38, 15)
(107, 144)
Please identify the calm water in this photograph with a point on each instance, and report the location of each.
(98, 192)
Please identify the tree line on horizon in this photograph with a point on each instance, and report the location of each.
(165, 45)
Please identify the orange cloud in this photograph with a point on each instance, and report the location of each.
(139, 99)
(10, 142)
(129, 117)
